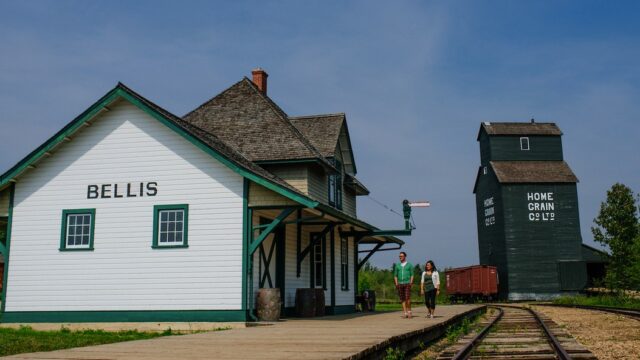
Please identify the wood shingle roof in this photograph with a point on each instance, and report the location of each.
(533, 172)
(322, 130)
(520, 128)
(251, 123)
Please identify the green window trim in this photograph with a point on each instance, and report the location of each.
(63, 230)
(156, 224)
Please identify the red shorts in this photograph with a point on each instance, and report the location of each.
(404, 292)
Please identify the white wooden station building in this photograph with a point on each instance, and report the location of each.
(130, 213)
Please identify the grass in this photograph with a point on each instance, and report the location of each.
(389, 306)
(601, 300)
(25, 339)
(453, 333)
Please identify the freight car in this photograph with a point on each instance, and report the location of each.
(472, 283)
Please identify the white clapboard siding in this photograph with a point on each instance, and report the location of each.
(291, 280)
(344, 297)
(124, 272)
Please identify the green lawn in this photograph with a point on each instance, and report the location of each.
(604, 300)
(25, 339)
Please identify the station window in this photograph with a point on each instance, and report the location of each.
(77, 229)
(524, 143)
(318, 261)
(170, 226)
(335, 186)
(317, 264)
(344, 263)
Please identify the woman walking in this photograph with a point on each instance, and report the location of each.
(430, 287)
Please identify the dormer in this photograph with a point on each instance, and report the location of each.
(519, 141)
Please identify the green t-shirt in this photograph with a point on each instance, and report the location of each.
(403, 273)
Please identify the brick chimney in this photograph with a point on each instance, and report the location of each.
(260, 79)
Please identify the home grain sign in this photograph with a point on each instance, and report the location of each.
(489, 212)
(541, 206)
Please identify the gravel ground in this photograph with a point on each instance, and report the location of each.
(607, 336)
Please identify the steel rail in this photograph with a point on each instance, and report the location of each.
(562, 353)
(634, 314)
(464, 352)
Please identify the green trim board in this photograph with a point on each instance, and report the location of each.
(340, 309)
(5, 278)
(246, 226)
(63, 228)
(123, 316)
(290, 311)
(120, 91)
(253, 246)
(332, 253)
(156, 224)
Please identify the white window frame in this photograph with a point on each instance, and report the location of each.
(522, 144)
(158, 231)
(67, 225)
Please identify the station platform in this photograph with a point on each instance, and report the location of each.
(352, 336)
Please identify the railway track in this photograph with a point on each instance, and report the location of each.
(517, 333)
(627, 312)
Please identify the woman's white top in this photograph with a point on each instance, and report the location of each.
(435, 277)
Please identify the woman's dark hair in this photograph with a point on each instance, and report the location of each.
(433, 266)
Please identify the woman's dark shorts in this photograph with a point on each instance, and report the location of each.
(404, 292)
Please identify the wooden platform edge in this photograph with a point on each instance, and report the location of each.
(411, 341)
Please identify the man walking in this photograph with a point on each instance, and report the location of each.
(403, 277)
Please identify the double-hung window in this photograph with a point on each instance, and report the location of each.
(318, 263)
(335, 186)
(77, 229)
(170, 226)
(524, 143)
(344, 263)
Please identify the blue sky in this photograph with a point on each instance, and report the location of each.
(415, 79)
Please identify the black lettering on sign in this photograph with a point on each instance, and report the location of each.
(106, 189)
(115, 191)
(92, 192)
(152, 189)
(129, 194)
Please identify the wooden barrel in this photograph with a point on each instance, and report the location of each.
(268, 304)
(306, 302)
(319, 302)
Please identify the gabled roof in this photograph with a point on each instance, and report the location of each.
(519, 128)
(324, 131)
(250, 122)
(533, 172)
(198, 137)
(205, 140)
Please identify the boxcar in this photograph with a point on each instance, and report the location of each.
(471, 283)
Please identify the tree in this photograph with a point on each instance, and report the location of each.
(618, 227)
